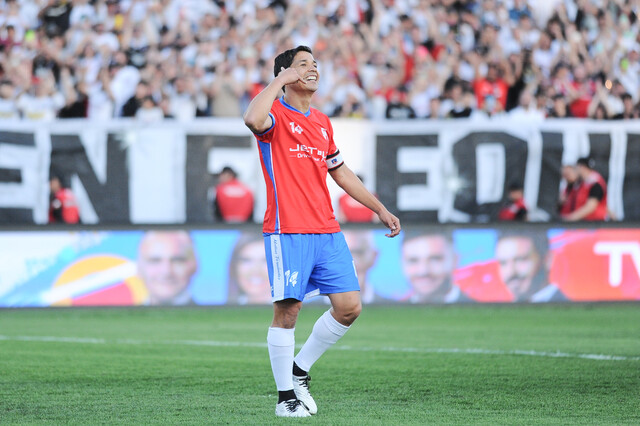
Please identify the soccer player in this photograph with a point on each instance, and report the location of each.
(306, 252)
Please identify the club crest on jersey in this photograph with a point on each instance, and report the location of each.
(324, 133)
(295, 128)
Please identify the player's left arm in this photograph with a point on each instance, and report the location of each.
(347, 180)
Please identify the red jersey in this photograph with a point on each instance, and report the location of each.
(296, 153)
(235, 201)
(353, 211)
(497, 89)
(570, 194)
(63, 207)
(600, 213)
(516, 210)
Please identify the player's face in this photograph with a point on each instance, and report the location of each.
(166, 264)
(428, 263)
(253, 277)
(307, 69)
(519, 262)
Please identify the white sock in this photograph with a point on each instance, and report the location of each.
(281, 343)
(326, 332)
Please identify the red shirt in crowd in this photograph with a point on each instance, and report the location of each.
(353, 211)
(516, 210)
(497, 88)
(63, 207)
(593, 187)
(234, 201)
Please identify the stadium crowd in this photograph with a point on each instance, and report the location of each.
(181, 59)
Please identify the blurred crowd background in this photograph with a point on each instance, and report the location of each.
(393, 59)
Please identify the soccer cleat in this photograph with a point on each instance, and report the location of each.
(301, 388)
(291, 408)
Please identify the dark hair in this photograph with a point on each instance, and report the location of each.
(228, 169)
(586, 162)
(515, 186)
(285, 59)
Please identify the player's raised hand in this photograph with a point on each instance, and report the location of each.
(391, 222)
(289, 76)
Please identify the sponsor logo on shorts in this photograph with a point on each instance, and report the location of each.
(292, 277)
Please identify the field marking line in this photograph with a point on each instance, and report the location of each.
(215, 343)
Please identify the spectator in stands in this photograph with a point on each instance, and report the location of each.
(366, 52)
(166, 264)
(8, 104)
(515, 209)
(568, 190)
(398, 107)
(559, 107)
(132, 105)
(63, 207)
(524, 260)
(428, 262)
(233, 200)
(149, 112)
(591, 198)
(628, 111)
(43, 101)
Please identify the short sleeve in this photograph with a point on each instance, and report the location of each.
(267, 135)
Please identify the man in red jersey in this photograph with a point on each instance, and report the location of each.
(62, 203)
(591, 198)
(306, 252)
(233, 201)
(516, 209)
(569, 190)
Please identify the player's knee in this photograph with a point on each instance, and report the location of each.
(285, 314)
(348, 314)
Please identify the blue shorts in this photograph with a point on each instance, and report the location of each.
(306, 265)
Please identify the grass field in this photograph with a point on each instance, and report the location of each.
(398, 365)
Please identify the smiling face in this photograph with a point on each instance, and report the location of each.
(428, 262)
(166, 263)
(252, 273)
(307, 68)
(519, 263)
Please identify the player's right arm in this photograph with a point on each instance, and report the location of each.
(257, 117)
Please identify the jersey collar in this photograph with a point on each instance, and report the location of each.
(286, 105)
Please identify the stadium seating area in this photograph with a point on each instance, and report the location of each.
(394, 59)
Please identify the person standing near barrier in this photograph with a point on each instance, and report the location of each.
(62, 203)
(569, 191)
(516, 209)
(591, 198)
(233, 202)
(306, 252)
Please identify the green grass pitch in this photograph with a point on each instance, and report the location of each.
(552, 364)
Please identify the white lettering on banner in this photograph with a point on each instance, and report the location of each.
(490, 171)
(150, 173)
(615, 251)
(28, 160)
(427, 196)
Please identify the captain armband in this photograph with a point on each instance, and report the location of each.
(334, 161)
